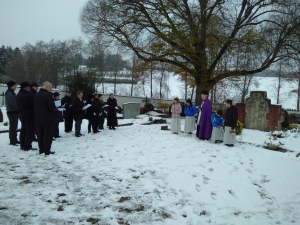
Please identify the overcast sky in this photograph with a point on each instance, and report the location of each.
(24, 21)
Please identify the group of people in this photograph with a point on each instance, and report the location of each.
(41, 111)
(210, 125)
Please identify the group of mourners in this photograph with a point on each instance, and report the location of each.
(40, 111)
(210, 125)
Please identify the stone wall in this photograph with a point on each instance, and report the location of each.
(241, 112)
(275, 117)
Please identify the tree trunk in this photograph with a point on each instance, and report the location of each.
(298, 99)
(279, 84)
(192, 95)
(151, 77)
(203, 83)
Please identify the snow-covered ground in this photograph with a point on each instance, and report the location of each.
(140, 174)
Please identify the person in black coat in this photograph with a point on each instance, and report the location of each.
(26, 115)
(57, 116)
(33, 90)
(231, 117)
(68, 113)
(112, 112)
(98, 106)
(44, 109)
(102, 113)
(78, 112)
(90, 114)
(12, 112)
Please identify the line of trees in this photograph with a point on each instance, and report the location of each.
(63, 62)
(55, 61)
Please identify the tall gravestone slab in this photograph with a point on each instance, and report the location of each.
(131, 110)
(257, 106)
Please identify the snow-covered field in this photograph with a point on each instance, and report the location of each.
(140, 174)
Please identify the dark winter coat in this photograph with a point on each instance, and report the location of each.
(98, 106)
(58, 115)
(33, 92)
(77, 105)
(91, 111)
(10, 102)
(25, 105)
(44, 108)
(68, 113)
(111, 112)
(231, 117)
(103, 113)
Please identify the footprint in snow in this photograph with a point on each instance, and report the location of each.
(198, 187)
(205, 179)
(213, 195)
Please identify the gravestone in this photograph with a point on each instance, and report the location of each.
(256, 108)
(258, 113)
(131, 110)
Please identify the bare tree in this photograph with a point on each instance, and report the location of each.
(293, 77)
(183, 30)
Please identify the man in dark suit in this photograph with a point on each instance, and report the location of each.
(78, 112)
(26, 114)
(68, 113)
(12, 112)
(44, 109)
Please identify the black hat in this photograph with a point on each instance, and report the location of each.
(100, 95)
(55, 94)
(24, 84)
(34, 84)
(68, 91)
(111, 94)
(189, 101)
(10, 83)
(204, 92)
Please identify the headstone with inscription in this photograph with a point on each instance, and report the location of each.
(131, 110)
(256, 108)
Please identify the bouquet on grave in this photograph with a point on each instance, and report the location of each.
(239, 127)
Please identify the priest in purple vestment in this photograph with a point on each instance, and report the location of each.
(204, 121)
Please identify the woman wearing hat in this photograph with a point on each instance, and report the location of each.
(112, 112)
(189, 111)
(176, 109)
